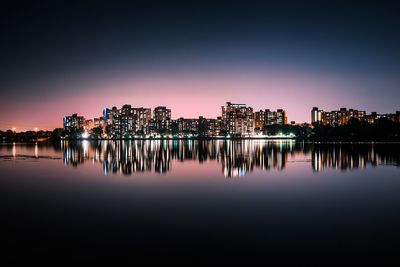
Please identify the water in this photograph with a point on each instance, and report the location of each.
(200, 201)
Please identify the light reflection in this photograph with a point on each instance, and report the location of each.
(236, 157)
(14, 152)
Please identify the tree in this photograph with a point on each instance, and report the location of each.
(57, 134)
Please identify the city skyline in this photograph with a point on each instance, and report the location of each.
(200, 131)
(193, 106)
(317, 115)
(61, 58)
(236, 120)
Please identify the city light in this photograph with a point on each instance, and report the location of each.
(85, 135)
(235, 121)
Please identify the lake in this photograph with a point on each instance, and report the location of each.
(190, 201)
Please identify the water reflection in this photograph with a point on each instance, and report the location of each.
(236, 157)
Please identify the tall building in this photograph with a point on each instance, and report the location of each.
(161, 122)
(96, 122)
(238, 118)
(281, 117)
(73, 122)
(161, 113)
(209, 127)
(340, 117)
(142, 118)
(110, 117)
(316, 115)
(259, 120)
(275, 117)
(160, 127)
(88, 125)
(188, 125)
(127, 120)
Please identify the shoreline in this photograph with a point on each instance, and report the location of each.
(187, 138)
(297, 140)
(204, 139)
(272, 138)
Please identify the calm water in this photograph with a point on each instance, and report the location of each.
(204, 201)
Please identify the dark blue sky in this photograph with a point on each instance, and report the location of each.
(54, 49)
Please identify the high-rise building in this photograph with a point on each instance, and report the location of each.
(160, 127)
(259, 120)
(209, 127)
(161, 122)
(96, 122)
(188, 125)
(127, 120)
(88, 125)
(340, 117)
(238, 118)
(142, 118)
(161, 113)
(110, 117)
(275, 117)
(281, 117)
(316, 115)
(73, 122)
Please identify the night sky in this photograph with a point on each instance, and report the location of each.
(63, 57)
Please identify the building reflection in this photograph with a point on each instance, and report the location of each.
(353, 156)
(236, 157)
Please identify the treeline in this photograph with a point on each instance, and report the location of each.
(28, 136)
(382, 130)
(300, 131)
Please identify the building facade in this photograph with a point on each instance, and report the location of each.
(275, 117)
(343, 116)
(73, 122)
(238, 119)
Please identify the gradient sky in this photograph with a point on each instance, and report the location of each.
(62, 57)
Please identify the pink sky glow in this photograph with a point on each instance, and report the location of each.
(188, 96)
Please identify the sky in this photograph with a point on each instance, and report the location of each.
(64, 57)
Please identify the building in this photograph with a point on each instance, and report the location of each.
(344, 116)
(259, 120)
(142, 118)
(160, 126)
(394, 116)
(316, 115)
(275, 117)
(187, 126)
(96, 122)
(209, 127)
(110, 115)
(161, 113)
(161, 122)
(73, 122)
(110, 118)
(127, 121)
(88, 125)
(238, 119)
